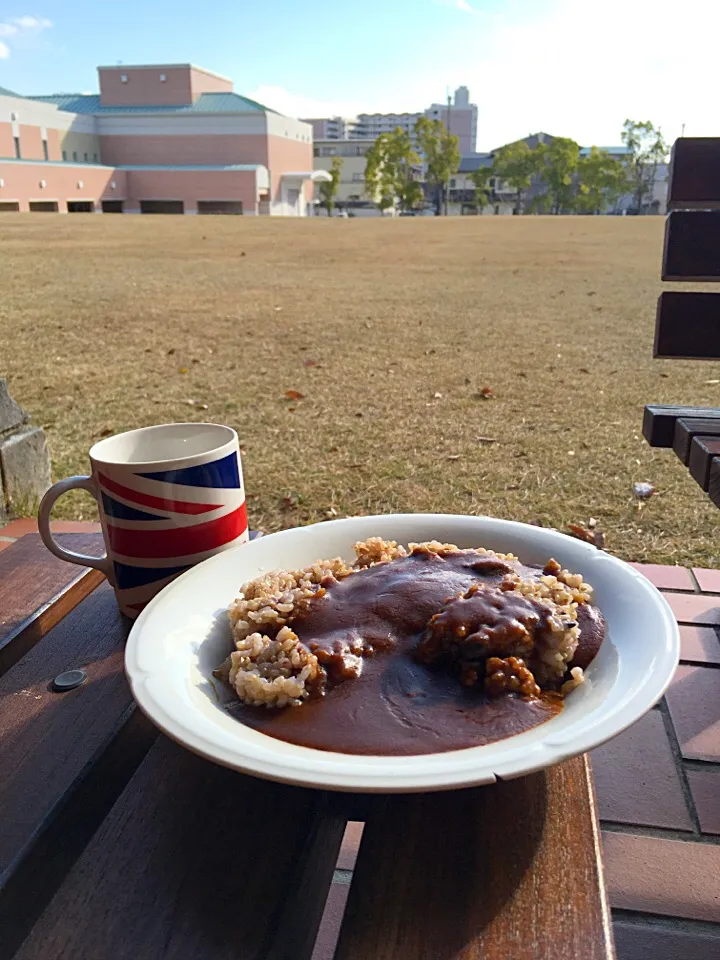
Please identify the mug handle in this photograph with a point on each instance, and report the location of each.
(103, 564)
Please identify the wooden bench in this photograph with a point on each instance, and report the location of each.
(687, 326)
(117, 844)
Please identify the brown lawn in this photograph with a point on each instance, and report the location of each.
(389, 330)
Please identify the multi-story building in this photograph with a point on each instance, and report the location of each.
(459, 116)
(156, 139)
(351, 189)
(333, 128)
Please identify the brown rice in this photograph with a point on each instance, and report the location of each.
(270, 666)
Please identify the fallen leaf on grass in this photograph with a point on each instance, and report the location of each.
(486, 439)
(288, 503)
(106, 432)
(438, 396)
(485, 394)
(453, 456)
(310, 363)
(182, 370)
(712, 382)
(277, 309)
(294, 395)
(196, 403)
(587, 534)
(583, 370)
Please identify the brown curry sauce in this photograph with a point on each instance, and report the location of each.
(397, 705)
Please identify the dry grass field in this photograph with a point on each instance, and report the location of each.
(390, 330)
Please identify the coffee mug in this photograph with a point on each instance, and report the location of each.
(169, 497)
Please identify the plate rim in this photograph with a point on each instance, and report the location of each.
(540, 754)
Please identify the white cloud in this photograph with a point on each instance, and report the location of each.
(32, 23)
(17, 27)
(555, 66)
(569, 72)
(297, 105)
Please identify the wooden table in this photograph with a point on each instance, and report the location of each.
(117, 843)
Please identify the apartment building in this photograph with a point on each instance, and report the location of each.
(351, 189)
(459, 116)
(333, 128)
(156, 139)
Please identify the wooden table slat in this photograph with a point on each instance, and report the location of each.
(196, 862)
(702, 451)
(37, 590)
(692, 246)
(48, 740)
(687, 326)
(509, 870)
(659, 421)
(686, 429)
(694, 180)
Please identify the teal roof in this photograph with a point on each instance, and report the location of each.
(89, 104)
(616, 151)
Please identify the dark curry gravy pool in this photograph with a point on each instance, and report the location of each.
(398, 705)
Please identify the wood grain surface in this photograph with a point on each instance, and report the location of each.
(50, 739)
(687, 326)
(692, 245)
(686, 429)
(196, 862)
(37, 590)
(695, 173)
(659, 421)
(505, 872)
(702, 452)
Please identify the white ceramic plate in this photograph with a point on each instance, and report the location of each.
(183, 634)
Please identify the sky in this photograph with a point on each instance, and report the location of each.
(565, 67)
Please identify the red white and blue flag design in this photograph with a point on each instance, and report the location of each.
(158, 524)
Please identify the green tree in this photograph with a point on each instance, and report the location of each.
(329, 188)
(441, 152)
(390, 171)
(647, 149)
(601, 180)
(517, 164)
(558, 164)
(481, 182)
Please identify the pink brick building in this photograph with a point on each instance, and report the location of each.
(156, 139)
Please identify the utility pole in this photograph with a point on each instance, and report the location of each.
(447, 124)
(682, 130)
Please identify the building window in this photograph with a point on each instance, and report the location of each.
(45, 149)
(95, 159)
(123, 78)
(18, 153)
(64, 155)
(358, 178)
(85, 156)
(452, 184)
(74, 156)
(316, 151)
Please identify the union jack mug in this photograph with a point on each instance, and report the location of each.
(169, 497)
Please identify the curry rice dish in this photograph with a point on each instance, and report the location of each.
(409, 651)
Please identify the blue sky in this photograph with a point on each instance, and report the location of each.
(568, 67)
